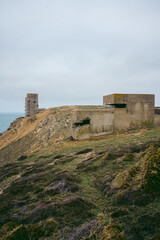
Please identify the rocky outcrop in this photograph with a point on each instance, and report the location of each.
(30, 134)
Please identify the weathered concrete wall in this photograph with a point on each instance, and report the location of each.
(139, 106)
(101, 121)
(122, 119)
(31, 103)
(156, 119)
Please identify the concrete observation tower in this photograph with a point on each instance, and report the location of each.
(31, 104)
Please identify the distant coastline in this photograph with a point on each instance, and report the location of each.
(7, 118)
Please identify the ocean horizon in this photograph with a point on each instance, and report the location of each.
(6, 119)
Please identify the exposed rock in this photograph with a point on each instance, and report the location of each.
(32, 133)
(70, 138)
(62, 183)
(83, 231)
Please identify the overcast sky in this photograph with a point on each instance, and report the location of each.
(75, 51)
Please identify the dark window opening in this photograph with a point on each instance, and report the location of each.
(157, 110)
(120, 105)
(84, 122)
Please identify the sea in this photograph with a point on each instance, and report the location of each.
(7, 118)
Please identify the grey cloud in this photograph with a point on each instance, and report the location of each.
(74, 52)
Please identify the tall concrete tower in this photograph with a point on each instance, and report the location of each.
(31, 104)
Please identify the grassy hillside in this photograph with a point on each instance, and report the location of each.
(104, 187)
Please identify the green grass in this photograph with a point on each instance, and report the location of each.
(114, 141)
(110, 155)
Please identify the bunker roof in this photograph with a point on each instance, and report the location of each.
(118, 98)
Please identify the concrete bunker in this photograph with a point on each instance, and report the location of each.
(119, 112)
